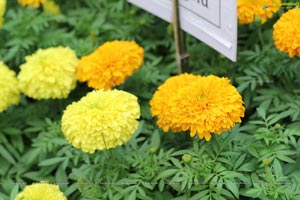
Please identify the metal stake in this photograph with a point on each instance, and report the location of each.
(180, 41)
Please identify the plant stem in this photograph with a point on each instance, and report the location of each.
(180, 42)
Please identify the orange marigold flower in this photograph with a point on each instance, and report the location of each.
(34, 3)
(110, 64)
(286, 33)
(202, 105)
(248, 10)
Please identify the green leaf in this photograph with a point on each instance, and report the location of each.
(252, 192)
(52, 161)
(248, 167)
(14, 192)
(261, 112)
(232, 187)
(12, 131)
(161, 185)
(277, 117)
(6, 155)
(285, 158)
(200, 195)
(167, 173)
(155, 139)
(31, 156)
(239, 161)
(61, 178)
(71, 189)
(132, 196)
(176, 162)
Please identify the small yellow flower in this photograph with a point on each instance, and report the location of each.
(9, 92)
(248, 10)
(2, 11)
(34, 3)
(41, 191)
(49, 73)
(110, 64)
(202, 105)
(101, 120)
(286, 32)
(51, 7)
(266, 161)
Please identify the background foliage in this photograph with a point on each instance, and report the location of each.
(255, 160)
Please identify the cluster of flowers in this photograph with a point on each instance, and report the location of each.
(102, 119)
(107, 117)
(49, 6)
(286, 33)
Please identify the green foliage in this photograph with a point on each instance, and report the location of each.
(257, 159)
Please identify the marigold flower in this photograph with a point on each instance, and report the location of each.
(286, 32)
(101, 120)
(110, 64)
(49, 73)
(2, 11)
(248, 10)
(41, 191)
(34, 3)
(51, 7)
(9, 92)
(202, 105)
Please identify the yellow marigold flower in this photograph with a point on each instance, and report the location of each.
(248, 10)
(202, 105)
(51, 7)
(9, 92)
(41, 191)
(49, 73)
(101, 120)
(2, 11)
(286, 32)
(110, 64)
(34, 3)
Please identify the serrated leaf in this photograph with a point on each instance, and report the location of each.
(261, 112)
(14, 192)
(167, 173)
(200, 195)
(254, 192)
(12, 131)
(232, 187)
(248, 167)
(52, 161)
(285, 158)
(31, 156)
(155, 139)
(6, 155)
(132, 196)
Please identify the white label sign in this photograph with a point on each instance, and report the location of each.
(214, 22)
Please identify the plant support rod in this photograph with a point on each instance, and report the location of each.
(180, 42)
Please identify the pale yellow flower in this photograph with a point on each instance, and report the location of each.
(2, 11)
(9, 92)
(51, 7)
(49, 73)
(41, 191)
(101, 120)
